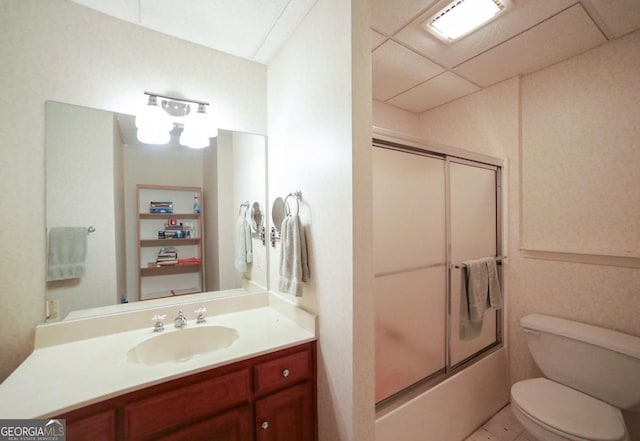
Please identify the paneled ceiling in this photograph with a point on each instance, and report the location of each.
(252, 29)
(415, 71)
(411, 69)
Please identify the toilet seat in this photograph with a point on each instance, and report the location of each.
(567, 412)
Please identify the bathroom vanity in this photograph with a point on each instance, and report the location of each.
(271, 397)
(247, 373)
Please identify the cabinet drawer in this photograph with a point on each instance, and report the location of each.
(167, 410)
(283, 371)
(235, 425)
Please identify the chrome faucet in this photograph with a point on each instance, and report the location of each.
(181, 320)
(159, 324)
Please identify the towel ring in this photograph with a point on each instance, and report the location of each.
(295, 196)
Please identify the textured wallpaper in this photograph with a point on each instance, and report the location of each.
(58, 50)
(580, 155)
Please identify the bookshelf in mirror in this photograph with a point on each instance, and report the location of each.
(170, 240)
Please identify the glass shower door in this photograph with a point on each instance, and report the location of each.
(409, 240)
(473, 208)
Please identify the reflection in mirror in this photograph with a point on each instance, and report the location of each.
(257, 217)
(94, 165)
(278, 213)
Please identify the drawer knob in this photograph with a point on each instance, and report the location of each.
(264, 425)
(285, 373)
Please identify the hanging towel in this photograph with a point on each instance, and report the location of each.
(67, 252)
(244, 247)
(479, 290)
(294, 263)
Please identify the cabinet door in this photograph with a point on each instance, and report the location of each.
(286, 415)
(100, 427)
(234, 425)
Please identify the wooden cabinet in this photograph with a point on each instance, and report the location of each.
(169, 226)
(148, 417)
(98, 427)
(235, 425)
(266, 398)
(286, 415)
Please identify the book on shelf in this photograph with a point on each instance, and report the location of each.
(167, 256)
(161, 207)
(189, 261)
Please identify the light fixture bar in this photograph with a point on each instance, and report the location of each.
(461, 17)
(156, 121)
(184, 100)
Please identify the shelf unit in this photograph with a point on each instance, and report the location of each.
(155, 281)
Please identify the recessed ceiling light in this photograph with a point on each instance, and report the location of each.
(462, 17)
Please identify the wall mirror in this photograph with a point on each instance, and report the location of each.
(94, 174)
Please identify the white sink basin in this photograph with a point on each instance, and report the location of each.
(179, 345)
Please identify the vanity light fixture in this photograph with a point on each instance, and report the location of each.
(198, 130)
(163, 114)
(461, 17)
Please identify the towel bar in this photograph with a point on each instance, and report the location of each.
(499, 260)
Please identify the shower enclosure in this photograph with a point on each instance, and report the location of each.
(431, 212)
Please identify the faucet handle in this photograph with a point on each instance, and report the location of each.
(159, 325)
(200, 318)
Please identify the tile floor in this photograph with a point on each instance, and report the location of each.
(503, 426)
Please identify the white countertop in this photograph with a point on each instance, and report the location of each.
(80, 362)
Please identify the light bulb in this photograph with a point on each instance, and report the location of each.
(193, 138)
(147, 136)
(204, 122)
(153, 117)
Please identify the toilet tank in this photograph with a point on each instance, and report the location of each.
(599, 362)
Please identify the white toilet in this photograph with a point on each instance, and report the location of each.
(591, 373)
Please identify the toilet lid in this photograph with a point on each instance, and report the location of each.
(569, 411)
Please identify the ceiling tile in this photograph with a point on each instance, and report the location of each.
(523, 15)
(620, 17)
(435, 92)
(236, 27)
(562, 36)
(376, 39)
(285, 26)
(396, 69)
(389, 16)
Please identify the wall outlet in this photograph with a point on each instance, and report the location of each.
(53, 310)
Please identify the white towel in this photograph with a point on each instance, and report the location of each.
(67, 251)
(244, 247)
(479, 290)
(294, 263)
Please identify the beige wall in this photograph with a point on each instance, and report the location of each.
(314, 104)
(57, 50)
(581, 107)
